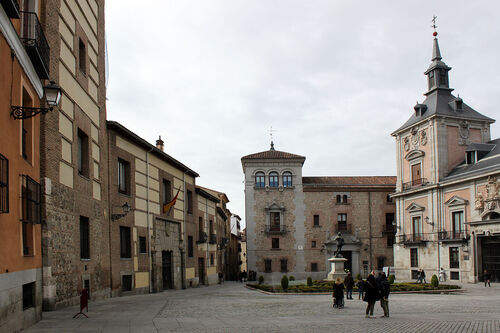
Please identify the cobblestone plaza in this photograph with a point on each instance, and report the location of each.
(233, 308)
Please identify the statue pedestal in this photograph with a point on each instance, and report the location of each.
(337, 265)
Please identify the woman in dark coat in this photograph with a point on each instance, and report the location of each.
(371, 295)
(338, 293)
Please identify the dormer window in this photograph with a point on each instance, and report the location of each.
(470, 157)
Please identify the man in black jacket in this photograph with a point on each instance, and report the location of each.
(385, 289)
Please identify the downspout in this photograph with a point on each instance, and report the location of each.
(110, 222)
(183, 249)
(151, 279)
(370, 225)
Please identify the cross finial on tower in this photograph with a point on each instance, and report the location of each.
(434, 26)
(271, 135)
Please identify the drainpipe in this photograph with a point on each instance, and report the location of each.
(183, 250)
(110, 224)
(370, 228)
(151, 279)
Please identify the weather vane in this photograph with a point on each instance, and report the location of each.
(271, 135)
(434, 26)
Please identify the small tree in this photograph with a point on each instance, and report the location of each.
(284, 282)
(261, 279)
(391, 279)
(292, 278)
(309, 281)
(434, 281)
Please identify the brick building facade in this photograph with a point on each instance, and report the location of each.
(291, 220)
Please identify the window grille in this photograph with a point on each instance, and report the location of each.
(4, 184)
(31, 196)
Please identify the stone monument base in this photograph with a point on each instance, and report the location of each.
(337, 265)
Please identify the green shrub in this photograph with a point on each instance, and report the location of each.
(434, 281)
(292, 278)
(391, 279)
(261, 279)
(358, 276)
(284, 282)
(309, 281)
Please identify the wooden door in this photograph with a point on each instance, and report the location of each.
(416, 177)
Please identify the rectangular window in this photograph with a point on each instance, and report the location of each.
(454, 275)
(82, 56)
(458, 224)
(27, 130)
(190, 202)
(390, 240)
(126, 282)
(166, 191)
(142, 245)
(284, 265)
(83, 153)
(313, 243)
(211, 259)
(389, 219)
(4, 184)
(190, 247)
(275, 221)
(417, 227)
(267, 266)
(316, 220)
(27, 230)
(454, 257)
(414, 257)
(31, 197)
(342, 218)
(86, 285)
(314, 267)
(276, 243)
(123, 176)
(84, 238)
(28, 295)
(125, 246)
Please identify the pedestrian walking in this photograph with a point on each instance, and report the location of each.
(385, 290)
(419, 275)
(371, 295)
(360, 284)
(487, 277)
(338, 293)
(349, 284)
(422, 276)
(441, 275)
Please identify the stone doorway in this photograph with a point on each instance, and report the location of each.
(490, 257)
(166, 259)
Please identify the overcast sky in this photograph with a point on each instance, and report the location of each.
(333, 78)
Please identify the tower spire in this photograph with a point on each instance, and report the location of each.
(437, 73)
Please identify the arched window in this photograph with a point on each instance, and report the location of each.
(260, 180)
(287, 179)
(339, 198)
(344, 198)
(273, 179)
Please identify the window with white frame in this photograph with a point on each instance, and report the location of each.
(260, 180)
(287, 179)
(273, 179)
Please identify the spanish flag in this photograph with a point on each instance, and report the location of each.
(169, 205)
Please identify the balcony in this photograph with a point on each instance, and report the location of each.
(413, 239)
(212, 239)
(415, 183)
(389, 229)
(275, 229)
(11, 8)
(35, 43)
(453, 236)
(343, 228)
(202, 238)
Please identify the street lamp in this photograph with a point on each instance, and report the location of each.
(126, 209)
(52, 94)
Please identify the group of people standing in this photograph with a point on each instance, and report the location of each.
(371, 290)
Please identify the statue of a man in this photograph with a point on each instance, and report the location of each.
(340, 243)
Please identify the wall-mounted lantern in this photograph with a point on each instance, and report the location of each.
(52, 94)
(126, 209)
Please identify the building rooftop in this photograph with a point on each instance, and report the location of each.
(351, 180)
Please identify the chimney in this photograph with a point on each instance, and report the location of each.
(159, 143)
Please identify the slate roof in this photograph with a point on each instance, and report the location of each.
(350, 180)
(272, 154)
(490, 162)
(441, 103)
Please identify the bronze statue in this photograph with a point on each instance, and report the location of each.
(340, 243)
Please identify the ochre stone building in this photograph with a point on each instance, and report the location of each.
(447, 192)
(291, 220)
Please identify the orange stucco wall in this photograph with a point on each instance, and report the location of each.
(12, 82)
(464, 194)
(408, 226)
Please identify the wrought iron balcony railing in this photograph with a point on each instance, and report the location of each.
(453, 235)
(35, 43)
(414, 238)
(275, 229)
(343, 228)
(415, 183)
(212, 239)
(202, 238)
(11, 8)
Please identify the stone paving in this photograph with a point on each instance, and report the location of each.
(233, 308)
